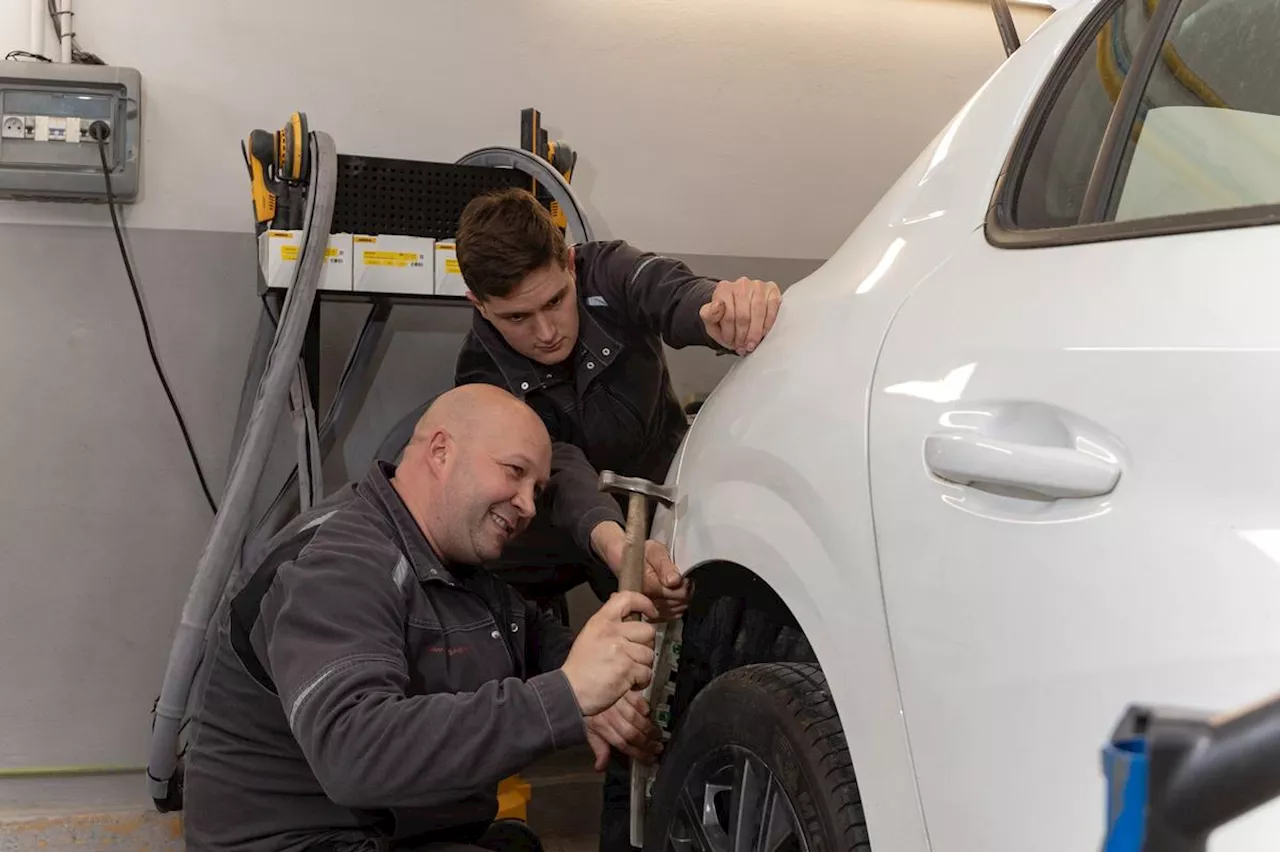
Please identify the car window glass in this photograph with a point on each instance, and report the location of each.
(1207, 135)
(1052, 186)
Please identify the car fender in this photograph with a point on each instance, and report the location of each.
(773, 474)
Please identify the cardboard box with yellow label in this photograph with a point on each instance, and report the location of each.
(448, 276)
(278, 255)
(390, 263)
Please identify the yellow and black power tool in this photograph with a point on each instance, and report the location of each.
(279, 166)
(533, 138)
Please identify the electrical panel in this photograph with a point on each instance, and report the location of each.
(46, 150)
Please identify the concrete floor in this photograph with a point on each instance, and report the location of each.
(152, 832)
(564, 810)
(571, 843)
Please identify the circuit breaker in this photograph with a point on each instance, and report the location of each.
(46, 151)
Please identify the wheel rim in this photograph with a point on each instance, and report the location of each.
(731, 802)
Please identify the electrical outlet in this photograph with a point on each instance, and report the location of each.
(14, 127)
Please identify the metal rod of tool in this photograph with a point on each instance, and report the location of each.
(1004, 23)
(631, 578)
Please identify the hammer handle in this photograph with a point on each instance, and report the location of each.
(631, 578)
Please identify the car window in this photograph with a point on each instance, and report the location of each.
(1052, 185)
(1207, 135)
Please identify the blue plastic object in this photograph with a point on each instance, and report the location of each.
(1125, 765)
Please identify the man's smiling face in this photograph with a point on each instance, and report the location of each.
(539, 318)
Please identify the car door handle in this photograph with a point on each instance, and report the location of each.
(1047, 472)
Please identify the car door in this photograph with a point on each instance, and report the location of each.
(1075, 432)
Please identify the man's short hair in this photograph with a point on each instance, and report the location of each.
(504, 236)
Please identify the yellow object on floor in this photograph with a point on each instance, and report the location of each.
(514, 794)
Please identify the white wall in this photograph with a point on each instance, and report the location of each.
(763, 128)
(756, 127)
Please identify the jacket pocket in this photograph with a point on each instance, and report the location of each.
(630, 428)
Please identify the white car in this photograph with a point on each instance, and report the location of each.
(1008, 463)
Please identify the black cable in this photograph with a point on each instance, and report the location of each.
(271, 315)
(26, 54)
(98, 131)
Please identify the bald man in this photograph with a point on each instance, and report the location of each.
(369, 685)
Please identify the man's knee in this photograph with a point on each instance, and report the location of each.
(504, 835)
(509, 835)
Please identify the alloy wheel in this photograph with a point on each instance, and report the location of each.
(731, 802)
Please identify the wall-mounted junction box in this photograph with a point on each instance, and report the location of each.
(46, 151)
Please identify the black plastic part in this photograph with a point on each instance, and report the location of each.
(287, 147)
(173, 800)
(1106, 167)
(563, 159)
(1229, 772)
(306, 147)
(1203, 772)
(1004, 23)
(1001, 230)
(530, 124)
(409, 197)
(1000, 236)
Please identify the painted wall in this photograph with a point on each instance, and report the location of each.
(738, 127)
(748, 136)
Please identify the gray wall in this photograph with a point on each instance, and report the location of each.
(102, 520)
(741, 127)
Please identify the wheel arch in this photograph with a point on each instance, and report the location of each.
(724, 576)
(778, 586)
(737, 617)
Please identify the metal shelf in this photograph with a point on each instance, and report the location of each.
(392, 299)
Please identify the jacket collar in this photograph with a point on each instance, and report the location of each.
(413, 543)
(596, 347)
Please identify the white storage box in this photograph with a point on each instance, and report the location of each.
(448, 276)
(389, 263)
(278, 255)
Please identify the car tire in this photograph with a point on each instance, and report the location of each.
(769, 734)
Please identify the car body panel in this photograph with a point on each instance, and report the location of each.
(1022, 626)
(979, 644)
(799, 515)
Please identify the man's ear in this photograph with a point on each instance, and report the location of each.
(440, 449)
(478, 304)
(573, 266)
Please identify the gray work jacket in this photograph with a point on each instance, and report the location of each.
(359, 688)
(611, 405)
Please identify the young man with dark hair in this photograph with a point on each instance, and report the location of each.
(577, 333)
